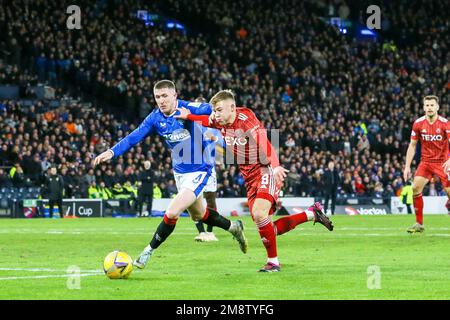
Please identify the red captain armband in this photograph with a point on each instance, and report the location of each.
(204, 119)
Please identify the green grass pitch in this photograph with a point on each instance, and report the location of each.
(35, 255)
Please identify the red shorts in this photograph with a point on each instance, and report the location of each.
(428, 170)
(263, 186)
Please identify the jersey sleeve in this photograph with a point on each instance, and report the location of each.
(415, 133)
(203, 119)
(139, 134)
(199, 108)
(266, 151)
(447, 130)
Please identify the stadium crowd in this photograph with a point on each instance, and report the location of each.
(331, 97)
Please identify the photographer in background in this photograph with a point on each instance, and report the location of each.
(331, 180)
(145, 192)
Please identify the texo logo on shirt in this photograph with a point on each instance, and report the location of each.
(231, 141)
(431, 137)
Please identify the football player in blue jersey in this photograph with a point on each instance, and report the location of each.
(191, 170)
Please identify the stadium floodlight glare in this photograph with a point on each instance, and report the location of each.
(367, 32)
(343, 30)
(172, 25)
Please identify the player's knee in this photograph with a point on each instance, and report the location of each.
(196, 216)
(171, 214)
(259, 215)
(417, 189)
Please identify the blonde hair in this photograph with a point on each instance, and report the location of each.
(221, 95)
(431, 97)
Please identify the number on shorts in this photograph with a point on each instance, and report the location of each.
(197, 179)
(265, 179)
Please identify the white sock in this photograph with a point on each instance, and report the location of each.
(274, 261)
(310, 214)
(148, 248)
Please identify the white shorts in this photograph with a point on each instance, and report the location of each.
(196, 181)
(211, 185)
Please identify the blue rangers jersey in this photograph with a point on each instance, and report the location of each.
(191, 152)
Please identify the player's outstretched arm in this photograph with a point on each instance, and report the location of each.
(187, 115)
(409, 157)
(139, 134)
(196, 107)
(267, 153)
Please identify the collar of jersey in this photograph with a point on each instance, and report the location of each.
(234, 122)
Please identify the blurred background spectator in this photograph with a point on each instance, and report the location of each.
(332, 97)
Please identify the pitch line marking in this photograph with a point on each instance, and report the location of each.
(141, 230)
(51, 276)
(43, 270)
(299, 233)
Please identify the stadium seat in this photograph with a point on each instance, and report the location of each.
(4, 204)
(27, 103)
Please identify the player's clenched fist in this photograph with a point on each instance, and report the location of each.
(105, 156)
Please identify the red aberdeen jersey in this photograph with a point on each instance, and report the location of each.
(248, 140)
(434, 138)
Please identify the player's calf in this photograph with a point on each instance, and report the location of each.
(164, 230)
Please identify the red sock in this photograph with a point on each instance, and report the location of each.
(169, 221)
(268, 237)
(418, 208)
(288, 223)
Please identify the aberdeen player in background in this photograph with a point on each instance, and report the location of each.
(433, 132)
(259, 165)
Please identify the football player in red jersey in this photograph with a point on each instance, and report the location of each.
(433, 132)
(260, 167)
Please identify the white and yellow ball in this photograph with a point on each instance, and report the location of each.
(118, 265)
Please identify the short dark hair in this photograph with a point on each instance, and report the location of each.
(200, 99)
(162, 84)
